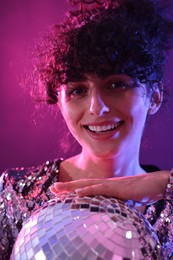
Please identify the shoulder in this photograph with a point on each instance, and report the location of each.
(11, 176)
(17, 177)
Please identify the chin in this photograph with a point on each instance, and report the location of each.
(105, 154)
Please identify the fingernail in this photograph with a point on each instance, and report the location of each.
(78, 190)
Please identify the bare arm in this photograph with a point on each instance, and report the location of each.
(144, 188)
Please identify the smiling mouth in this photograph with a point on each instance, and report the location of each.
(104, 128)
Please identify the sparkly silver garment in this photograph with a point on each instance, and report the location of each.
(22, 191)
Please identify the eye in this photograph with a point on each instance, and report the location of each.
(119, 85)
(77, 91)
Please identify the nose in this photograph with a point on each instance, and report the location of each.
(97, 105)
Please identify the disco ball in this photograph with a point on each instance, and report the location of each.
(91, 228)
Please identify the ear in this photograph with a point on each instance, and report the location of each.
(156, 98)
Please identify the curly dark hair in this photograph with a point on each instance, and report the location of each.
(126, 36)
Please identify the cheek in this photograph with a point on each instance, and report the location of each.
(71, 116)
(139, 111)
(135, 108)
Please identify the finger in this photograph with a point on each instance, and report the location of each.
(53, 190)
(73, 185)
(98, 189)
(57, 193)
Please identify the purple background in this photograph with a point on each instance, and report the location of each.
(30, 136)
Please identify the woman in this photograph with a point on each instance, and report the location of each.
(103, 66)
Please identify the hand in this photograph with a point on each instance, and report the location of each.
(144, 188)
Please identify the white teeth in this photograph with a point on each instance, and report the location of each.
(103, 128)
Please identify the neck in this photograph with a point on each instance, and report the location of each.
(118, 166)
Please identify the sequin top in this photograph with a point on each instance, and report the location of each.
(22, 191)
